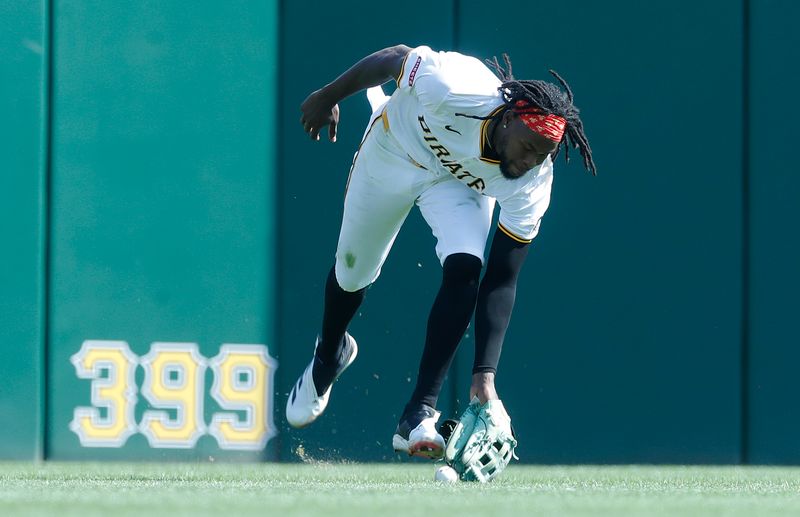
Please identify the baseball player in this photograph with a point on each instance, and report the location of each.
(454, 140)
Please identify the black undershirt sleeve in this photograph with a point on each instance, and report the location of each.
(496, 300)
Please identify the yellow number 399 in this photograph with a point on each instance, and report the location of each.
(174, 386)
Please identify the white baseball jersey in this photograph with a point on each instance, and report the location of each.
(433, 87)
(416, 151)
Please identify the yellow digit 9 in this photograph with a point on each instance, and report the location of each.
(111, 367)
(173, 379)
(243, 376)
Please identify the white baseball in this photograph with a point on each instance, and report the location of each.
(446, 474)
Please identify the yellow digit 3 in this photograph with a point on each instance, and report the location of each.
(110, 420)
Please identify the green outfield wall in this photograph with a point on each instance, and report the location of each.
(627, 325)
(23, 128)
(773, 250)
(161, 292)
(169, 228)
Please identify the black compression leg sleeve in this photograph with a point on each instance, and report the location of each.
(496, 300)
(447, 322)
(340, 307)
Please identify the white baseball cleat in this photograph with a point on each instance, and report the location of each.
(416, 434)
(304, 404)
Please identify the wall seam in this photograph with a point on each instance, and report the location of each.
(745, 314)
(279, 235)
(45, 214)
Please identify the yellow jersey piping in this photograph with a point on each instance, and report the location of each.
(484, 128)
(358, 152)
(402, 70)
(507, 232)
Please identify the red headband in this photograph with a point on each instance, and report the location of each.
(549, 126)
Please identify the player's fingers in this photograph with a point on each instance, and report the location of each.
(332, 131)
(314, 133)
(308, 126)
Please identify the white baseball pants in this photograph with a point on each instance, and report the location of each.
(383, 186)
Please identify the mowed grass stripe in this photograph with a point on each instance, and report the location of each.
(181, 489)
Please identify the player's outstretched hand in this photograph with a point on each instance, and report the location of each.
(319, 111)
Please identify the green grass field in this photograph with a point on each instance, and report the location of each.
(228, 490)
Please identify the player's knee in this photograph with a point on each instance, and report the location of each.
(351, 279)
(463, 268)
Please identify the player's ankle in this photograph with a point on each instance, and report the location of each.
(323, 375)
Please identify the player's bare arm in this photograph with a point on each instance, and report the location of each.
(321, 108)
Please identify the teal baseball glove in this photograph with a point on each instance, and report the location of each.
(482, 443)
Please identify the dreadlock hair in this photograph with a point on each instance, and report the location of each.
(548, 98)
